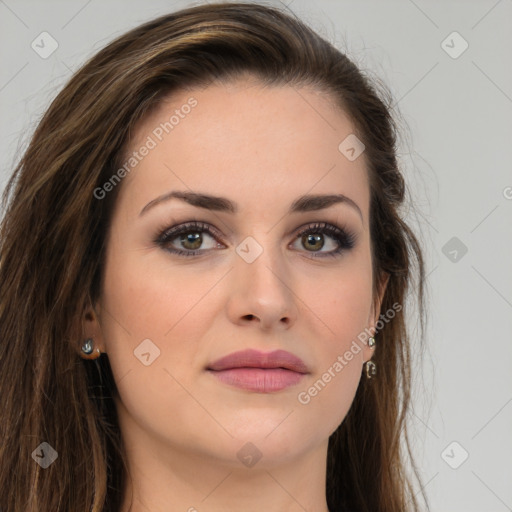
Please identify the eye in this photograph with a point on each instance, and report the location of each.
(312, 237)
(191, 236)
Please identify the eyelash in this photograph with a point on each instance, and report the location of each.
(344, 238)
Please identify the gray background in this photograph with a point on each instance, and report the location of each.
(456, 152)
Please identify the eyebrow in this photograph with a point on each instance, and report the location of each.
(306, 203)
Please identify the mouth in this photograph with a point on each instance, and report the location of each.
(257, 371)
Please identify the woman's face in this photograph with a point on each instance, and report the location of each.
(252, 282)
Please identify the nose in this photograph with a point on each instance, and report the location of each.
(261, 290)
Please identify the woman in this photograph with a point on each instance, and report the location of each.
(203, 272)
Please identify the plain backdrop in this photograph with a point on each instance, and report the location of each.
(448, 67)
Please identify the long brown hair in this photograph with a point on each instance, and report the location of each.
(52, 247)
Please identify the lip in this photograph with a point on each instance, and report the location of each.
(263, 372)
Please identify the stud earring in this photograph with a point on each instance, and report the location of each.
(371, 369)
(87, 349)
(371, 342)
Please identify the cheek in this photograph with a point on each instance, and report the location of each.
(328, 395)
(150, 297)
(327, 398)
(142, 300)
(343, 302)
(343, 305)
(145, 298)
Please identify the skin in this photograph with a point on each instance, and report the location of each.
(262, 148)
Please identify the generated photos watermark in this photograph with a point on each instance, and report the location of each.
(304, 397)
(151, 142)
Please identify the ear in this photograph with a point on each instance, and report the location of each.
(91, 329)
(377, 303)
(375, 313)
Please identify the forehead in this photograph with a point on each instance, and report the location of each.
(247, 141)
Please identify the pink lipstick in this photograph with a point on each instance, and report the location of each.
(259, 371)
